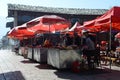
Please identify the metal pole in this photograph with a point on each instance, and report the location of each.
(110, 40)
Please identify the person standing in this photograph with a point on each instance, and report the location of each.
(88, 47)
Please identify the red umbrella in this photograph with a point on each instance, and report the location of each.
(20, 32)
(48, 23)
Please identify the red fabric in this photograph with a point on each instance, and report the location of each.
(103, 42)
(89, 23)
(76, 67)
(20, 33)
(48, 23)
(112, 16)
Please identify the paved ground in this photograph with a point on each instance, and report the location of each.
(15, 67)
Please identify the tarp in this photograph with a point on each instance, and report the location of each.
(74, 26)
(73, 29)
(112, 17)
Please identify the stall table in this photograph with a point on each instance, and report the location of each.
(40, 55)
(30, 53)
(62, 58)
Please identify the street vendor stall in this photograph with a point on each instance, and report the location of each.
(62, 58)
(20, 51)
(30, 53)
(40, 55)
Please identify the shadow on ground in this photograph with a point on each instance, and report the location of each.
(16, 75)
(28, 61)
(45, 66)
(96, 74)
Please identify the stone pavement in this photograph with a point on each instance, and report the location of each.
(15, 67)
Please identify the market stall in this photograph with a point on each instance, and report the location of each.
(30, 53)
(62, 58)
(40, 55)
(21, 50)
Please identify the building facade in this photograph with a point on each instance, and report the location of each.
(24, 13)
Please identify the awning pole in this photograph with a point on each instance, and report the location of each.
(110, 41)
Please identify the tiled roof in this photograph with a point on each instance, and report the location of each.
(76, 11)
